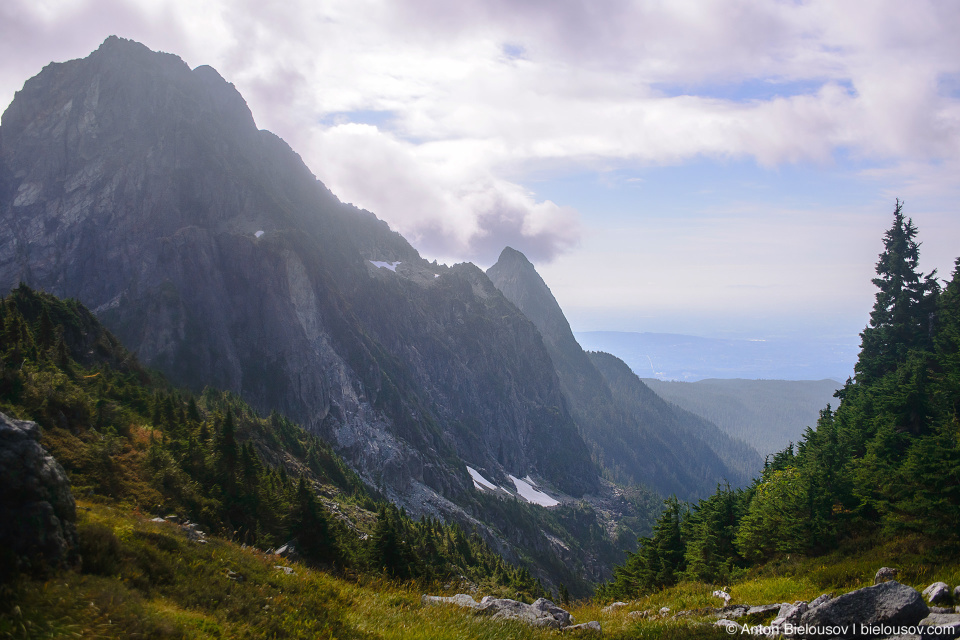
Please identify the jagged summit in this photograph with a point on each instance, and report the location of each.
(518, 280)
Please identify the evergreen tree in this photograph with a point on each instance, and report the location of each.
(711, 554)
(901, 316)
(311, 526)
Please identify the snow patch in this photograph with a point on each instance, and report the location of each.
(258, 233)
(385, 265)
(479, 481)
(529, 493)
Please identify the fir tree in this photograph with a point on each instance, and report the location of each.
(901, 316)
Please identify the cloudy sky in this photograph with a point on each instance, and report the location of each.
(715, 168)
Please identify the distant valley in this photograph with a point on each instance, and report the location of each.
(668, 356)
(767, 414)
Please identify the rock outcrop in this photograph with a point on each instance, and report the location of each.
(941, 625)
(542, 613)
(790, 614)
(37, 510)
(937, 593)
(886, 604)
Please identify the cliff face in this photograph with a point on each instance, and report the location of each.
(638, 436)
(141, 187)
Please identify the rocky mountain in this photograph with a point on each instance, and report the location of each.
(145, 190)
(632, 431)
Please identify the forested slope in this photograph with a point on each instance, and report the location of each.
(885, 462)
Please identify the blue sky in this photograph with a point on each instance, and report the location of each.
(720, 169)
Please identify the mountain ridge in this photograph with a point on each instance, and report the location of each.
(629, 428)
(141, 187)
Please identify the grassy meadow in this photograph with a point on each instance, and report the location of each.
(143, 579)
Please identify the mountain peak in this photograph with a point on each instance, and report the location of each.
(518, 280)
(509, 254)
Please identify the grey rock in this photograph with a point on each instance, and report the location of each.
(819, 600)
(727, 624)
(593, 625)
(545, 609)
(613, 607)
(460, 600)
(764, 609)
(790, 614)
(941, 625)
(640, 615)
(884, 574)
(541, 613)
(942, 610)
(664, 611)
(887, 603)
(287, 570)
(37, 510)
(937, 592)
(733, 611)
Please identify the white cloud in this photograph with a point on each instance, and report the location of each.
(482, 92)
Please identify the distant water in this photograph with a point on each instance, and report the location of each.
(669, 356)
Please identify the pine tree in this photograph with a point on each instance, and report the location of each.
(901, 317)
(311, 526)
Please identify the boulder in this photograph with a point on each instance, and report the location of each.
(640, 615)
(941, 625)
(888, 603)
(541, 613)
(593, 625)
(884, 574)
(613, 607)
(937, 592)
(461, 600)
(729, 626)
(764, 609)
(733, 611)
(723, 595)
(546, 609)
(37, 510)
(790, 614)
(819, 600)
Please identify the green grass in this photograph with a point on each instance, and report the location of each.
(143, 579)
(786, 580)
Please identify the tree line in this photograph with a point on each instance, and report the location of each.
(886, 460)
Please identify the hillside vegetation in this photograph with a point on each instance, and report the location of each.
(131, 441)
(884, 464)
